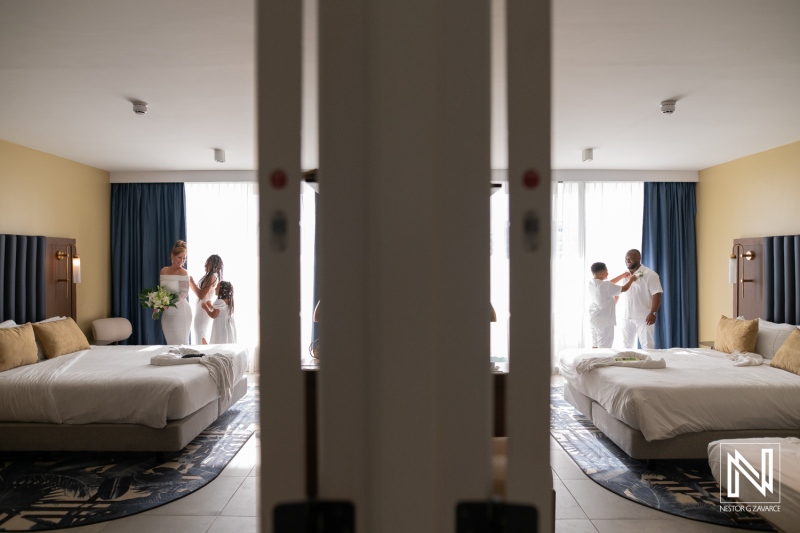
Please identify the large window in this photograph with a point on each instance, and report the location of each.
(499, 273)
(592, 221)
(222, 219)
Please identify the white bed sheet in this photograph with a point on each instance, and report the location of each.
(788, 518)
(111, 384)
(699, 390)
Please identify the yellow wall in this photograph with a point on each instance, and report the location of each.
(755, 196)
(41, 194)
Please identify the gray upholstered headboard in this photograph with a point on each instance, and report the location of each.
(22, 278)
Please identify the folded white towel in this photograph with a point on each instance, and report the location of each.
(636, 360)
(219, 366)
(174, 356)
(745, 359)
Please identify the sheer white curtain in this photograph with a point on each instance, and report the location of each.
(308, 233)
(592, 221)
(499, 274)
(222, 219)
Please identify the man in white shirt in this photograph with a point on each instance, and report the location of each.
(603, 294)
(641, 303)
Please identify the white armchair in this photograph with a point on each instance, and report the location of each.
(111, 330)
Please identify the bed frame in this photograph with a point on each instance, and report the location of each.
(632, 441)
(768, 291)
(113, 437)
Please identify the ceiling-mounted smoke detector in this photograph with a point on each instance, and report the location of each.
(668, 107)
(140, 108)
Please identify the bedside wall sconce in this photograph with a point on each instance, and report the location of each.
(74, 273)
(736, 267)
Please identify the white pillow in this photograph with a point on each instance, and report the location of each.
(771, 337)
(52, 319)
(8, 324)
(39, 351)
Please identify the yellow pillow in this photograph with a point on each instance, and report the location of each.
(17, 347)
(788, 355)
(60, 337)
(734, 335)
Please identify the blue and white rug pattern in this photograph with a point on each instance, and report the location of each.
(45, 491)
(684, 488)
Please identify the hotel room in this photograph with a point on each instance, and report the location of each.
(741, 137)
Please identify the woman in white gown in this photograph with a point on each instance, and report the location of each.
(177, 321)
(204, 291)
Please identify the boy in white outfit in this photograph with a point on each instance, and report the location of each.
(603, 296)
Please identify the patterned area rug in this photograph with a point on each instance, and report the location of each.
(41, 491)
(680, 487)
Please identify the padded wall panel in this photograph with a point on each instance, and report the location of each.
(22, 278)
(782, 279)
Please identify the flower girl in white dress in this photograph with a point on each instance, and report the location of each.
(223, 330)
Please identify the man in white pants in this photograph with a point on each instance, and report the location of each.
(641, 303)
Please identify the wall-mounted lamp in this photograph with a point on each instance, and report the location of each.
(736, 268)
(73, 274)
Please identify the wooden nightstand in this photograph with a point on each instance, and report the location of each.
(707, 344)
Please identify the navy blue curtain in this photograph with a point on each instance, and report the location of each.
(782, 279)
(22, 278)
(146, 220)
(669, 247)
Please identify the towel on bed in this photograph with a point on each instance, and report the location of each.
(219, 366)
(637, 360)
(745, 359)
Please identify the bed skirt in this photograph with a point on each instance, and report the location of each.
(632, 442)
(24, 437)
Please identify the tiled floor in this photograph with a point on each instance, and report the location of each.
(583, 506)
(228, 505)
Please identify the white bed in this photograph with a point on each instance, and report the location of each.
(786, 516)
(674, 412)
(113, 398)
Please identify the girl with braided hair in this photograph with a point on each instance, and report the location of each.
(204, 291)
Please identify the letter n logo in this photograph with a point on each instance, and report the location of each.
(744, 471)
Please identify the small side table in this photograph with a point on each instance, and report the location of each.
(707, 344)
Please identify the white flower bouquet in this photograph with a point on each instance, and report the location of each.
(158, 299)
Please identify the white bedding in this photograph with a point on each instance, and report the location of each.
(111, 384)
(699, 390)
(788, 469)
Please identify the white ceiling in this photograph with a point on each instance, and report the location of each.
(69, 70)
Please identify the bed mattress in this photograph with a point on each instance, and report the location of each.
(786, 513)
(699, 390)
(112, 384)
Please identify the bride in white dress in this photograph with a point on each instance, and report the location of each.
(177, 321)
(204, 290)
